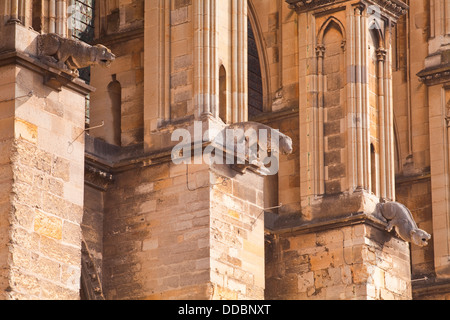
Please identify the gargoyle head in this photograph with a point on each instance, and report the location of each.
(285, 144)
(420, 237)
(102, 55)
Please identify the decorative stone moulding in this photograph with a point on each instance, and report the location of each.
(396, 7)
(434, 76)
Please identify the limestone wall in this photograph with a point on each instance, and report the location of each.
(276, 27)
(120, 27)
(354, 262)
(6, 175)
(416, 195)
(286, 190)
(128, 71)
(164, 231)
(237, 235)
(42, 190)
(422, 133)
(173, 234)
(92, 226)
(47, 189)
(156, 234)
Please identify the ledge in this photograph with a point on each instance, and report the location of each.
(268, 117)
(395, 7)
(294, 225)
(401, 179)
(53, 78)
(430, 287)
(120, 36)
(435, 75)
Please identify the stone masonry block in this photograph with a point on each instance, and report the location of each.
(48, 226)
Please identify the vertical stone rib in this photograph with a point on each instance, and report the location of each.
(205, 40)
(61, 18)
(242, 54)
(22, 10)
(359, 102)
(206, 56)
(157, 57)
(14, 11)
(381, 55)
(239, 59)
(319, 172)
(351, 102)
(52, 16)
(432, 17)
(166, 6)
(198, 67)
(234, 61)
(365, 116)
(447, 172)
(214, 64)
(447, 17)
(389, 105)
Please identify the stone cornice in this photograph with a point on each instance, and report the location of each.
(304, 5)
(111, 39)
(293, 224)
(53, 78)
(97, 177)
(435, 75)
(429, 287)
(395, 7)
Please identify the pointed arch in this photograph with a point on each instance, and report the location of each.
(331, 94)
(331, 22)
(377, 32)
(263, 59)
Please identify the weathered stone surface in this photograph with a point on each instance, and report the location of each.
(153, 230)
(342, 264)
(71, 54)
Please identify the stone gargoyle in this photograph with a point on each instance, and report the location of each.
(400, 218)
(70, 54)
(248, 141)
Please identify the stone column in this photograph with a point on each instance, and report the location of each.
(205, 64)
(381, 56)
(157, 97)
(41, 175)
(14, 11)
(52, 16)
(359, 48)
(239, 60)
(17, 11)
(318, 132)
(61, 17)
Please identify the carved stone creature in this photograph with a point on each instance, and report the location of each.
(400, 217)
(247, 138)
(70, 54)
(283, 143)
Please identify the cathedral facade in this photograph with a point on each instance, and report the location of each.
(116, 182)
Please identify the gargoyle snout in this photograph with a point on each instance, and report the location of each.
(287, 147)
